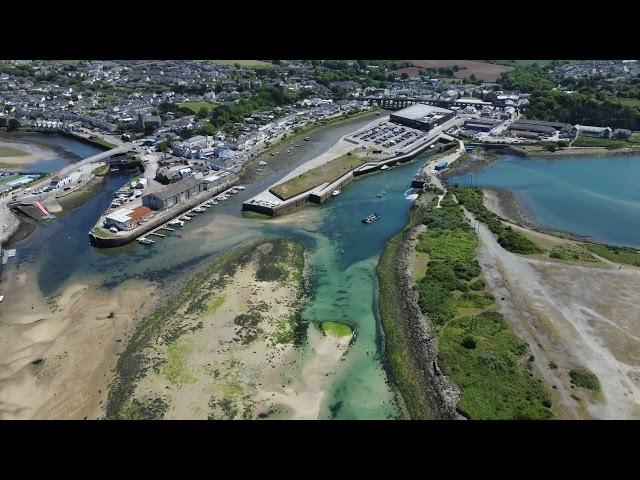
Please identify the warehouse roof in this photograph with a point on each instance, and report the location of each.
(422, 112)
(176, 188)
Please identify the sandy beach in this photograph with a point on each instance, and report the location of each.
(57, 352)
(29, 153)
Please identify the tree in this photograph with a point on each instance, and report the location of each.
(202, 113)
(148, 130)
(13, 124)
(404, 76)
(3, 122)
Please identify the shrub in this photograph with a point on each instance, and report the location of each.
(469, 343)
(585, 379)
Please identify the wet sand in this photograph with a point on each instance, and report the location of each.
(31, 153)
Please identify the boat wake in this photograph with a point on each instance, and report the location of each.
(410, 195)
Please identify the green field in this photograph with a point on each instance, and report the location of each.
(629, 102)
(11, 152)
(196, 106)
(327, 172)
(244, 63)
(604, 142)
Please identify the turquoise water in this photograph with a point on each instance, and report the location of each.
(343, 256)
(597, 197)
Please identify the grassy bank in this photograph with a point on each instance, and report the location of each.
(605, 142)
(627, 255)
(472, 200)
(327, 172)
(196, 106)
(476, 348)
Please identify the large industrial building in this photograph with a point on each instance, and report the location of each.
(422, 117)
(173, 194)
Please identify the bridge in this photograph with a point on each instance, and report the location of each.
(397, 103)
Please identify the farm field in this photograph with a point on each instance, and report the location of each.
(482, 70)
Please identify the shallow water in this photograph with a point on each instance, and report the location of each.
(65, 150)
(597, 197)
(343, 256)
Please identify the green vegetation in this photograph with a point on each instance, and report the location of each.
(572, 253)
(602, 142)
(175, 369)
(255, 215)
(101, 142)
(327, 172)
(482, 356)
(585, 379)
(586, 105)
(478, 352)
(167, 324)
(628, 102)
(336, 329)
(627, 255)
(472, 200)
(411, 379)
(244, 63)
(265, 98)
(101, 170)
(518, 63)
(214, 305)
(195, 107)
(11, 152)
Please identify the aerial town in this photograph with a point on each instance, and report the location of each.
(263, 176)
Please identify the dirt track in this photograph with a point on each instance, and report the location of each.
(575, 317)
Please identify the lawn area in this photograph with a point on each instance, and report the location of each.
(476, 348)
(11, 152)
(327, 172)
(244, 63)
(196, 106)
(604, 142)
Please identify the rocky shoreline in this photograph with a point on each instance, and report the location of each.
(419, 331)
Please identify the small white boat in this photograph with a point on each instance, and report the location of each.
(335, 193)
(240, 187)
(198, 210)
(145, 241)
(1, 298)
(384, 167)
(215, 203)
(262, 163)
(176, 223)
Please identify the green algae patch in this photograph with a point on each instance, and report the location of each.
(175, 370)
(214, 305)
(336, 329)
(585, 379)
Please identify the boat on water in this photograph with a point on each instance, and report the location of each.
(262, 163)
(371, 218)
(1, 298)
(335, 193)
(240, 187)
(382, 192)
(306, 139)
(145, 241)
(198, 209)
(384, 167)
(214, 203)
(176, 223)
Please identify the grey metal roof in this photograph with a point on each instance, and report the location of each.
(176, 188)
